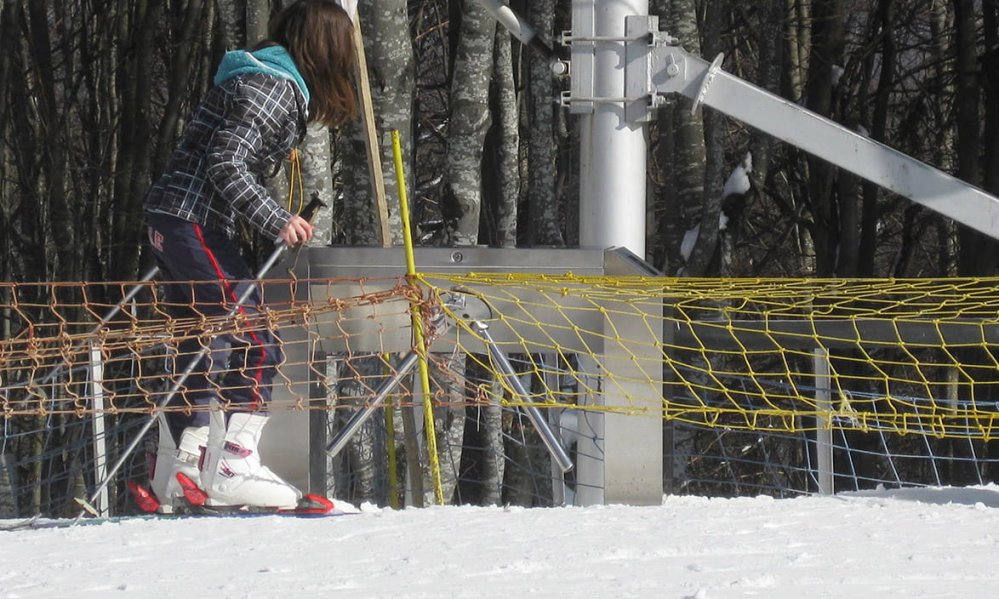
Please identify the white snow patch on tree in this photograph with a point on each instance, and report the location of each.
(738, 181)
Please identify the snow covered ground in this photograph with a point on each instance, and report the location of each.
(908, 543)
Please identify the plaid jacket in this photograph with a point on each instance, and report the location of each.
(240, 133)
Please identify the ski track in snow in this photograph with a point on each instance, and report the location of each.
(909, 543)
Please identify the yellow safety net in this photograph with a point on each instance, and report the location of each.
(905, 356)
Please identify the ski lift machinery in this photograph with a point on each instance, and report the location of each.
(621, 69)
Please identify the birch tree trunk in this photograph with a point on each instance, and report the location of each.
(233, 24)
(258, 13)
(317, 180)
(502, 175)
(543, 227)
(940, 26)
(469, 123)
(470, 120)
(389, 52)
(485, 425)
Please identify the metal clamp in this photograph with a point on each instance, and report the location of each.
(709, 76)
(568, 39)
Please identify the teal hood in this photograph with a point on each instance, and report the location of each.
(273, 60)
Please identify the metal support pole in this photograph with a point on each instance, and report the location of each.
(318, 483)
(612, 145)
(823, 432)
(98, 428)
(506, 369)
(356, 421)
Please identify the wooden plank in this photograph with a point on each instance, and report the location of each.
(371, 139)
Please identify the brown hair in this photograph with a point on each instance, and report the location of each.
(319, 36)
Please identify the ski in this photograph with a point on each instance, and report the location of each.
(195, 506)
(196, 503)
(37, 522)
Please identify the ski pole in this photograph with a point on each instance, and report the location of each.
(308, 213)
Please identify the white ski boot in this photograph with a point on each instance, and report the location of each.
(176, 459)
(231, 472)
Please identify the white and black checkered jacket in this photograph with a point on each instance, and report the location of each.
(240, 133)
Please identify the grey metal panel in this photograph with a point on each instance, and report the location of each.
(633, 445)
(386, 326)
(389, 262)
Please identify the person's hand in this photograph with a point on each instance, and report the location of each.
(296, 231)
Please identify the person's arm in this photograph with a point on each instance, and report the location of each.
(252, 114)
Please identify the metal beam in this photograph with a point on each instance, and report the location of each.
(673, 70)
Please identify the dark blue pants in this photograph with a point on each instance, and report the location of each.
(204, 275)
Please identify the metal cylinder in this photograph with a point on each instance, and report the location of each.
(613, 150)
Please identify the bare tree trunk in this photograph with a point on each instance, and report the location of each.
(826, 55)
(543, 227)
(503, 150)
(132, 175)
(470, 120)
(389, 51)
(233, 24)
(799, 45)
(257, 17)
(177, 87)
(990, 85)
(884, 20)
(706, 249)
(317, 179)
(940, 27)
(978, 252)
(469, 123)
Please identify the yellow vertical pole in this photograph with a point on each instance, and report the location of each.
(421, 345)
(393, 474)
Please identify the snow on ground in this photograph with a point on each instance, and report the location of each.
(906, 543)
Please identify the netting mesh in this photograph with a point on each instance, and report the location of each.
(912, 356)
(740, 372)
